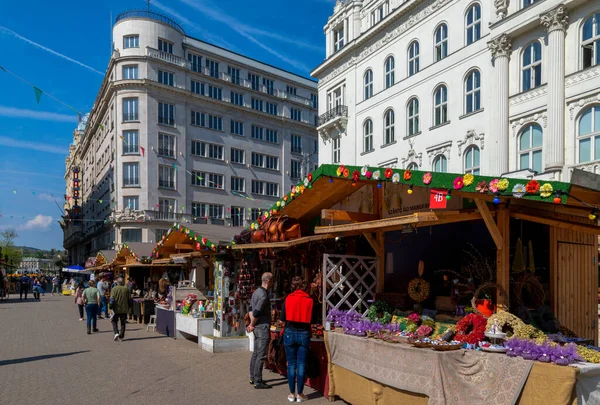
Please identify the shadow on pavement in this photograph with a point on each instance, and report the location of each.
(146, 338)
(36, 358)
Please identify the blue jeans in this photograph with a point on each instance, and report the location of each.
(297, 345)
(103, 306)
(92, 312)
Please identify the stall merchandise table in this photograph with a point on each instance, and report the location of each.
(165, 321)
(317, 346)
(368, 371)
(142, 309)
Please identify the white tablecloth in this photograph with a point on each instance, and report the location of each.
(588, 384)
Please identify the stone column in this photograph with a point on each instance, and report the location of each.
(328, 41)
(556, 22)
(497, 163)
(346, 33)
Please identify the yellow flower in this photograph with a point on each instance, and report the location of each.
(503, 184)
(468, 179)
(546, 190)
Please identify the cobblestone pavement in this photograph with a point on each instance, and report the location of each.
(46, 357)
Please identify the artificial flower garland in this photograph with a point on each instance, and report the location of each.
(471, 329)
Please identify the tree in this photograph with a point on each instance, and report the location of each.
(8, 237)
(9, 252)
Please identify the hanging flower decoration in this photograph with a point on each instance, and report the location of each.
(285, 198)
(204, 240)
(427, 177)
(282, 204)
(407, 175)
(368, 175)
(346, 173)
(340, 170)
(518, 190)
(471, 329)
(546, 190)
(418, 289)
(363, 171)
(493, 186)
(376, 174)
(468, 179)
(309, 176)
(396, 178)
(532, 187)
(279, 203)
(481, 187)
(306, 182)
(502, 184)
(458, 183)
(355, 176)
(388, 173)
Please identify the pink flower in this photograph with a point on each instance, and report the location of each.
(427, 178)
(494, 186)
(414, 317)
(424, 330)
(458, 183)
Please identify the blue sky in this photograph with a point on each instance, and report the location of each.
(63, 50)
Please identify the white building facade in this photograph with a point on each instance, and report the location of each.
(185, 131)
(490, 87)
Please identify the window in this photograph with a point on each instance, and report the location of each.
(166, 114)
(254, 214)
(441, 42)
(131, 41)
(336, 147)
(207, 210)
(212, 68)
(237, 128)
(269, 86)
(131, 202)
(296, 169)
(198, 119)
(195, 61)
(166, 145)
(590, 41)
(131, 143)
(440, 164)
(588, 134)
(159, 233)
(130, 109)
(215, 122)
(532, 66)
(389, 72)
(215, 92)
(131, 175)
(530, 148)
(258, 159)
(527, 3)
(441, 106)
(210, 180)
(413, 116)
(238, 156)
(254, 81)
(166, 78)
(473, 25)
(130, 72)
(338, 39)
(272, 162)
(271, 108)
(234, 74)
(131, 235)
(472, 160)
(271, 136)
(473, 92)
(165, 46)
(238, 184)
(237, 216)
(258, 133)
(167, 206)
(207, 150)
(197, 87)
(413, 58)
(295, 114)
(368, 81)
(257, 104)
(265, 188)
(237, 98)
(314, 100)
(368, 136)
(389, 127)
(166, 177)
(413, 166)
(290, 90)
(296, 144)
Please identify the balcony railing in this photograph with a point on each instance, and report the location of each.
(166, 216)
(338, 111)
(151, 16)
(167, 57)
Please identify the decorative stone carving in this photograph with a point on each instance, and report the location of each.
(127, 215)
(412, 157)
(471, 138)
(557, 19)
(500, 46)
(501, 7)
(529, 95)
(576, 106)
(583, 76)
(517, 125)
(441, 149)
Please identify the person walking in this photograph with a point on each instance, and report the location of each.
(119, 304)
(23, 286)
(102, 288)
(44, 284)
(91, 299)
(54, 286)
(296, 312)
(260, 322)
(79, 299)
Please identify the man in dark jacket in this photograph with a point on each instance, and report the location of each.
(260, 323)
(119, 304)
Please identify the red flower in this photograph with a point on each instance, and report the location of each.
(309, 176)
(388, 173)
(346, 173)
(471, 329)
(355, 176)
(368, 175)
(458, 183)
(532, 187)
(407, 175)
(340, 170)
(204, 240)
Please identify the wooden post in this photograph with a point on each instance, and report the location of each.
(503, 257)
(378, 210)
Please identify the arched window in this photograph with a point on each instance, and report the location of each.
(473, 92)
(588, 135)
(590, 41)
(390, 65)
(368, 135)
(368, 84)
(441, 42)
(472, 160)
(531, 66)
(413, 58)
(473, 23)
(389, 127)
(412, 113)
(440, 164)
(413, 166)
(440, 106)
(530, 148)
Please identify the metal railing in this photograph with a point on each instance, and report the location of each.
(338, 111)
(151, 15)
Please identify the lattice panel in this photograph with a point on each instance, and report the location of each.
(349, 282)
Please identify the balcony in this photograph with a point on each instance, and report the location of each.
(333, 122)
(129, 215)
(149, 15)
(166, 57)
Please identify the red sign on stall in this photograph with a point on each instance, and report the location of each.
(437, 199)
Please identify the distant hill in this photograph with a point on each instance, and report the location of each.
(35, 252)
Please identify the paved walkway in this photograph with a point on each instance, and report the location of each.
(46, 357)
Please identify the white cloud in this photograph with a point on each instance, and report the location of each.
(40, 222)
(12, 112)
(60, 55)
(41, 147)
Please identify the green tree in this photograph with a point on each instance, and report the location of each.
(7, 238)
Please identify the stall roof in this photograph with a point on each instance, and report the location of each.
(184, 237)
(141, 249)
(107, 255)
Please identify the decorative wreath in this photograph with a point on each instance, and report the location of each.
(486, 286)
(471, 329)
(418, 289)
(536, 292)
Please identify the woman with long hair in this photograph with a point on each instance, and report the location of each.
(79, 299)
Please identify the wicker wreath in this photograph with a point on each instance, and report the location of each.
(538, 295)
(418, 289)
(483, 287)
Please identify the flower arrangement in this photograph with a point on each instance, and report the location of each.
(458, 183)
(388, 173)
(519, 190)
(424, 331)
(376, 174)
(503, 184)
(546, 190)
(471, 329)
(427, 177)
(493, 186)
(396, 178)
(355, 176)
(468, 179)
(418, 289)
(414, 317)
(514, 326)
(532, 187)
(368, 175)
(408, 175)
(481, 187)
(346, 173)
(589, 354)
(364, 170)
(545, 352)
(340, 171)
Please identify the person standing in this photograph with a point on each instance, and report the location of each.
(37, 288)
(23, 286)
(55, 286)
(91, 299)
(79, 299)
(119, 304)
(296, 312)
(260, 322)
(102, 288)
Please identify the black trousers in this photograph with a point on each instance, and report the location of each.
(80, 310)
(122, 318)
(24, 289)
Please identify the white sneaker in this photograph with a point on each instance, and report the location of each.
(301, 398)
(292, 398)
(116, 337)
(81, 319)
